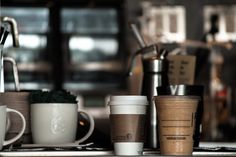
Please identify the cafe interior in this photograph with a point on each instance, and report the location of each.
(93, 49)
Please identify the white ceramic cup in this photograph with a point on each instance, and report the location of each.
(3, 126)
(56, 123)
(127, 116)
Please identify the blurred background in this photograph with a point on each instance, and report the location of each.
(85, 47)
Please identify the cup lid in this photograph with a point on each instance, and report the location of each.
(128, 100)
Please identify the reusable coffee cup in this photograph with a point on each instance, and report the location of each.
(56, 123)
(176, 120)
(187, 90)
(127, 119)
(4, 123)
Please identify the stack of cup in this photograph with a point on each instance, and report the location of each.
(127, 118)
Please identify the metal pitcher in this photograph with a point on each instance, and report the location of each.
(155, 67)
(154, 75)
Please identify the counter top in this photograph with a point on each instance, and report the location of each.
(205, 149)
(100, 153)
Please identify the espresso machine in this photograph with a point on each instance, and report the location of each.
(7, 22)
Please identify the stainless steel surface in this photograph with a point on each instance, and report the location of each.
(15, 71)
(146, 52)
(149, 51)
(4, 34)
(15, 38)
(155, 75)
(137, 35)
(2, 88)
(31, 57)
(14, 30)
(154, 66)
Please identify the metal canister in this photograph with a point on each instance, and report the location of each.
(155, 75)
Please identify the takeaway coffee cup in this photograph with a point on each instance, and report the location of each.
(4, 123)
(127, 119)
(176, 123)
(187, 90)
(56, 123)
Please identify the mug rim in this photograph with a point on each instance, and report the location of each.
(128, 99)
(44, 103)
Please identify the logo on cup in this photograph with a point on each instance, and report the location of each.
(58, 125)
(129, 136)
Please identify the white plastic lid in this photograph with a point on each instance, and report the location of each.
(128, 100)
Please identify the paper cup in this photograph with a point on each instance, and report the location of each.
(127, 123)
(176, 119)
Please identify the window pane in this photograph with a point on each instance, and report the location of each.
(86, 48)
(89, 21)
(29, 20)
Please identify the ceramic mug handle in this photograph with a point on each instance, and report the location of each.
(91, 128)
(8, 123)
(7, 142)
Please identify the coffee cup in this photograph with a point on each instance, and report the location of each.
(4, 123)
(188, 90)
(127, 119)
(56, 123)
(176, 123)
